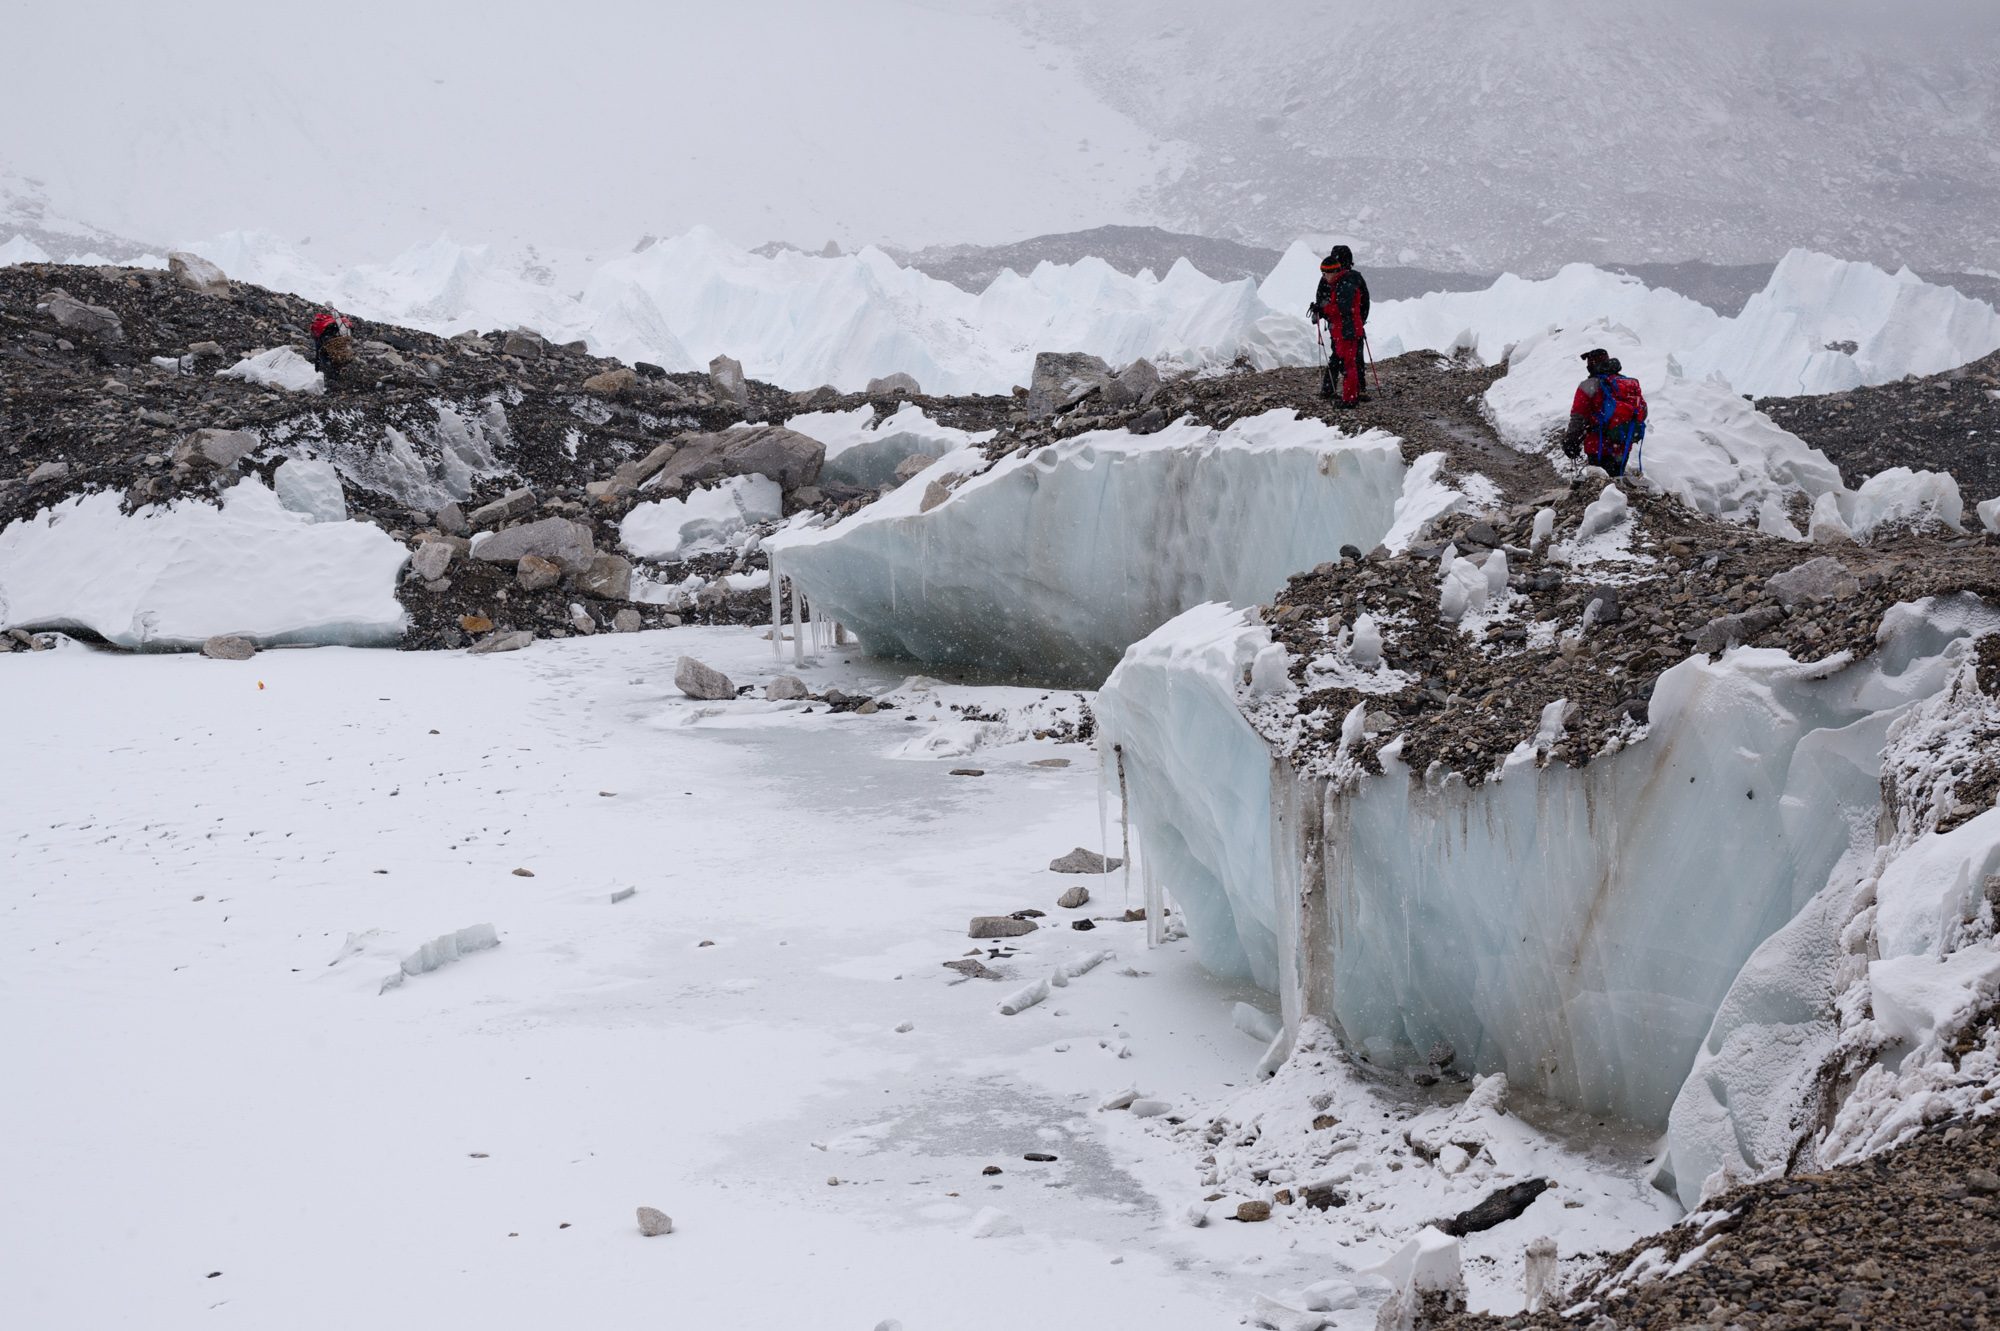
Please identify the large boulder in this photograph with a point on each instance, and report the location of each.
(786, 456)
(197, 274)
(524, 343)
(1135, 385)
(702, 682)
(727, 376)
(1822, 579)
(566, 544)
(431, 559)
(223, 448)
(612, 383)
(90, 320)
(893, 383)
(1064, 378)
(638, 471)
(229, 647)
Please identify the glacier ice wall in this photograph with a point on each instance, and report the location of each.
(1575, 928)
(1051, 563)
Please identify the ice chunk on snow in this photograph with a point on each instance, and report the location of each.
(1366, 648)
(442, 951)
(1053, 562)
(1605, 512)
(703, 520)
(179, 574)
(993, 1223)
(1429, 1262)
(1989, 516)
(280, 367)
(311, 488)
(1256, 1023)
(1463, 592)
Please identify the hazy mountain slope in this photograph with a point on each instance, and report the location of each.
(1482, 136)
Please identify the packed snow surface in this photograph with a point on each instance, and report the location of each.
(280, 367)
(753, 1034)
(1050, 564)
(1555, 923)
(177, 574)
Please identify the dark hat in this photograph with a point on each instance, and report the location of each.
(1595, 353)
(1341, 254)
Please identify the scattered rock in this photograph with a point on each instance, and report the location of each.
(654, 1223)
(1074, 897)
(536, 574)
(998, 926)
(1039, 1158)
(1084, 861)
(972, 968)
(228, 647)
(524, 343)
(1497, 1208)
(514, 504)
(475, 623)
(91, 320)
(627, 621)
(935, 493)
(968, 771)
(1741, 627)
(702, 682)
(48, 471)
(609, 578)
(451, 519)
(787, 688)
(431, 559)
(611, 383)
(1252, 1212)
(912, 466)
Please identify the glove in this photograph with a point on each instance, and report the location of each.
(1571, 448)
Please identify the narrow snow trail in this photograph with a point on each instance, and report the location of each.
(206, 1079)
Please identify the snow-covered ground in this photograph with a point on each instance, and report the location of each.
(222, 1119)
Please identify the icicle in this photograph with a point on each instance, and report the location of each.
(1156, 904)
(1103, 798)
(1124, 824)
(798, 626)
(777, 611)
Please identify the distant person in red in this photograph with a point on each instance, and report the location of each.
(1342, 302)
(333, 343)
(1607, 417)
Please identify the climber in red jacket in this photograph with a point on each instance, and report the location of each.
(333, 343)
(1342, 302)
(1607, 417)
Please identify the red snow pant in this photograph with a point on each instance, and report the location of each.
(1347, 365)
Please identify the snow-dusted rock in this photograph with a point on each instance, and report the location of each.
(502, 642)
(222, 448)
(998, 926)
(196, 273)
(609, 578)
(1074, 898)
(229, 648)
(787, 688)
(654, 1223)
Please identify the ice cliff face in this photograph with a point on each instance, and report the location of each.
(1576, 928)
(1051, 563)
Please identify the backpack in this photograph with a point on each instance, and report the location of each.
(1621, 415)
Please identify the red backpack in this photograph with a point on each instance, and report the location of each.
(1621, 413)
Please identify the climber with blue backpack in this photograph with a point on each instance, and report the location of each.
(1607, 417)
